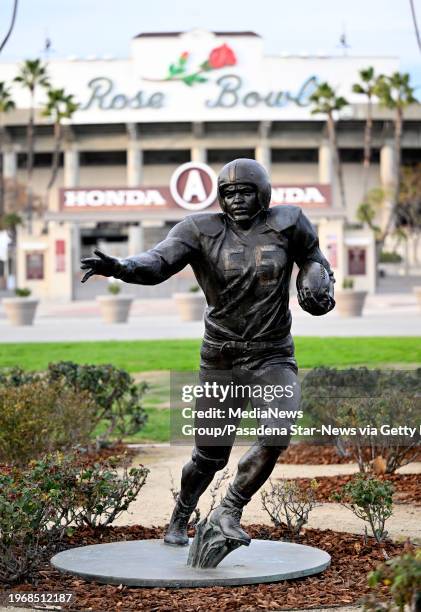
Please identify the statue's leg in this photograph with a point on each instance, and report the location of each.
(196, 476)
(257, 464)
(209, 456)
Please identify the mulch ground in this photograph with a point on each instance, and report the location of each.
(343, 583)
(407, 486)
(303, 453)
(119, 451)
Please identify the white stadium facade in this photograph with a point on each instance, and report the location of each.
(152, 132)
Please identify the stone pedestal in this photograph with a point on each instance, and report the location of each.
(151, 563)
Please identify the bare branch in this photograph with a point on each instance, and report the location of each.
(12, 24)
(414, 19)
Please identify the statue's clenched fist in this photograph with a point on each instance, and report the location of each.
(105, 265)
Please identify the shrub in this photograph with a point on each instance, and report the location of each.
(41, 417)
(25, 516)
(367, 415)
(370, 500)
(402, 577)
(50, 497)
(104, 494)
(23, 292)
(116, 394)
(14, 377)
(364, 398)
(114, 288)
(289, 505)
(9, 221)
(84, 495)
(389, 257)
(322, 387)
(348, 283)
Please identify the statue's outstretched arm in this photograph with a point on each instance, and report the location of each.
(153, 266)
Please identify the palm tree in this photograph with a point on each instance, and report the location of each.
(59, 106)
(367, 87)
(408, 212)
(32, 75)
(6, 105)
(326, 102)
(396, 93)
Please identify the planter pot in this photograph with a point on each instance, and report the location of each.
(392, 269)
(115, 308)
(20, 310)
(350, 303)
(417, 291)
(191, 306)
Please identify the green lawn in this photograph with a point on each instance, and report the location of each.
(151, 355)
(151, 360)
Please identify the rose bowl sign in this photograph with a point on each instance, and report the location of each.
(193, 187)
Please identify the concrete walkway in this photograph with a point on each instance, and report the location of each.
(165, 461)
(384, 315)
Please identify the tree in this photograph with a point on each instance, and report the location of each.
(6, 105)
(326, 102)
(59, 106)
(369, 207)
(396, 93)
(408, 212)
(32, 75)
(367, 87)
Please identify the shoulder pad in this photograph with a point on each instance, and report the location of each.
(282, 216)
(208, 224)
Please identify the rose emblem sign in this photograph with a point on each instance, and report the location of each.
(219, 57)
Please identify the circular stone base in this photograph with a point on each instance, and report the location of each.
(151, 563)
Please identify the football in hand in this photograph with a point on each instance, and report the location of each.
(315, 278)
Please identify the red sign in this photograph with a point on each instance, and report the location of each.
(160, 198)
(193, 186)
(60, 255)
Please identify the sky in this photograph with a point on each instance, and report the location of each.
(104, 27)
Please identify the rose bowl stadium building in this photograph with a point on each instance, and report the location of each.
(152, 132)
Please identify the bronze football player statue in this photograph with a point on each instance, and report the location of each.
(242, 258)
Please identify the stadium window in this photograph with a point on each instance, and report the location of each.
(103, 158)
(280, 156)
(223, 156)
(176, 156)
